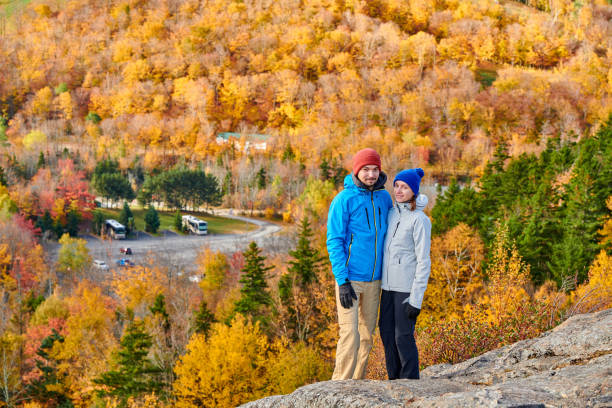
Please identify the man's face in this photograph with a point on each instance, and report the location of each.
(368, 175)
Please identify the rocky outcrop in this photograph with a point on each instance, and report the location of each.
(569, 366)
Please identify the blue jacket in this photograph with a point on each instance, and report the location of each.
(356, 229)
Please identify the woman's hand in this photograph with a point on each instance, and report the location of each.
(411, 311)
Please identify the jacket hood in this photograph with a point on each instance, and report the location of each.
(421, 203)
(351, 181)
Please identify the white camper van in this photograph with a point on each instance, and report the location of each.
(195, 225)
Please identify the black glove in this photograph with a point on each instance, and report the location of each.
(411, 311)
(347, 294)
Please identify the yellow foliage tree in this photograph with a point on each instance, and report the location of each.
(606, 229)
(88, 343)
(137, 287)
(456, 277)
(52, 307)
(508, 275)
(35, 139)
(233, 96)
(213, 266)
(5, 258)
(7, 206)
(136, 71)
(316, 197)
(596, 293)
(64, 101)
(295, 365)
(73, 258)
(226, 370)
(122, 50)
(42, 102)
(419, 48)
(10, 353)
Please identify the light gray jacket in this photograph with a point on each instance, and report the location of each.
(406, 261)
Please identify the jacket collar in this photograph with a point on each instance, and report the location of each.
(354, 181)
(421, 203)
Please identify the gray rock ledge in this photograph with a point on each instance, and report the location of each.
(569, 366)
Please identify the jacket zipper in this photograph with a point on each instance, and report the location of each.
(349, 251)
(394, 232)
(375, 236)
(396, 226)
(367, 217)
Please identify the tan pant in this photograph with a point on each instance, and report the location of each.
(357, 326)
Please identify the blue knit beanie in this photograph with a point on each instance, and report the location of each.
(412, 177)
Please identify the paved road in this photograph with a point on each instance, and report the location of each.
(180, 251)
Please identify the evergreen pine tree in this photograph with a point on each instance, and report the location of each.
(41, 161)
(306, 259)
(178, 222)
(32, 301)
(45, 223)
(226, 188)
(536, 235)
(58, 228)
(73, 218)
(501, 155)
(3, 181)
(159, 308)
(49, 388)
(97, 222)
(584, 206)
(254, 295)
(260, 178)
(302, 272)
(288, 154)
(325, 169)
(152, 222)
(491, 187)
(453, 206)
(134, 374)
(125, 215)
(338, 172)
(203, 319)
(3, 127)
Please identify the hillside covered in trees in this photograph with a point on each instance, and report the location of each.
(505, 104)
(441, 82)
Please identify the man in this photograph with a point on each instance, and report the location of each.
(356, 228)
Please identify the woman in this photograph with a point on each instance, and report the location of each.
(406, 266)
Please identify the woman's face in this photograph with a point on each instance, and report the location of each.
(402, 191)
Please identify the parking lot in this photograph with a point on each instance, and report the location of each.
(178, 251)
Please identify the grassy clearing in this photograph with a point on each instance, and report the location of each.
(9, 7)
(486, 77)
(216, 225)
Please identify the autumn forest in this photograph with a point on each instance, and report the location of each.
(166, 106)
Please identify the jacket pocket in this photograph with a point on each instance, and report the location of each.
(348, 258)
(395, 276)
(367, 217)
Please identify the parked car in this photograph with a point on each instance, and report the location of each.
(124, 262)
(125, 250)
(100, 264)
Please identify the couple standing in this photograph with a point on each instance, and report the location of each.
(376, 245)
